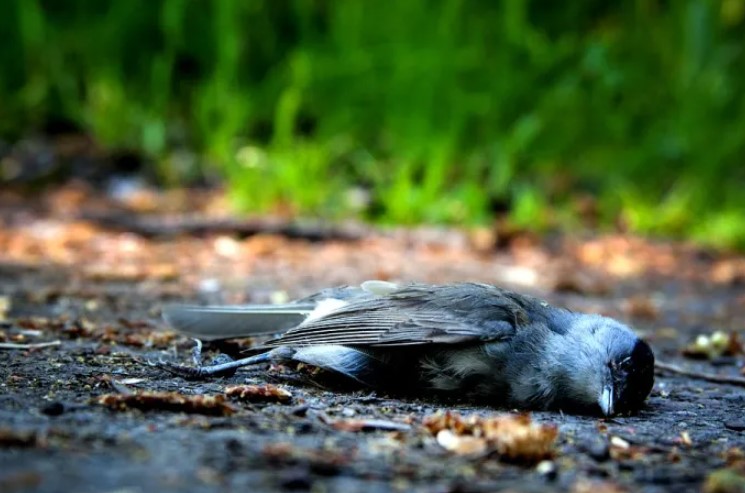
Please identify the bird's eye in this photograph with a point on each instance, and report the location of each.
(623, 365)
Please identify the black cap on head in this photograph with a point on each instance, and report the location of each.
(634, 378)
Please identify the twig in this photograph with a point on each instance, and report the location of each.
(710, 377)
(36, 345)
(356, 425)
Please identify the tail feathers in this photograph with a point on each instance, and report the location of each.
(225, 322)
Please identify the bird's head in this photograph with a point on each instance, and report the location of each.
(608, 368)
(626, 373)
(628, 378)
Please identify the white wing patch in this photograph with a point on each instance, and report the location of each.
(323, 308)
(379, 288)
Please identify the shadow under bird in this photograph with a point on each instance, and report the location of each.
(468, 340)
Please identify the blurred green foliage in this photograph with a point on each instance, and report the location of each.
(408, 111)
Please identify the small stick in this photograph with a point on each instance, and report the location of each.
(710, 377)
(36, 345)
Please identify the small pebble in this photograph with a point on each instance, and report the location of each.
(300, 411)
(296, 481)
(548, 469)
(735, 425)
(304, 427)
(599, 451)
(53, 409)
(619, 442)
(235, 447)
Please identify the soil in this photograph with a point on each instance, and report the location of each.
(98, 290)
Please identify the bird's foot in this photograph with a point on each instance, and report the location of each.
(222, 366)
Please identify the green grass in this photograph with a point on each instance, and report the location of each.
(442, 111)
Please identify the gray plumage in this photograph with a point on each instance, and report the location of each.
(465, 339)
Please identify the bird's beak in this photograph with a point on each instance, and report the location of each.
(606, 401)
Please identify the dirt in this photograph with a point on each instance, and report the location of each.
(98, 291)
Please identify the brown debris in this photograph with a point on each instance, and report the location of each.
(461, 444)
(5, 306)
(126, 332)
(674, 456)
(16, 438)
(594, 486)
(641, 306)
(27, 480)
(734, 456)
(324, 461)
(159, 339)
(483, 240)
(258, 393)
(569, 278)
(622, 450)
(512, 437)
(716, 345)
(729, 271)
(213, 405)
(130, 272)
(725, 480)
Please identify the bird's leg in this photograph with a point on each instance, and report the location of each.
(220, 367)
(226, 369)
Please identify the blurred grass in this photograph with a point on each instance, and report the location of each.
(409, 111)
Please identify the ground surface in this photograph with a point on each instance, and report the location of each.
(98, 290)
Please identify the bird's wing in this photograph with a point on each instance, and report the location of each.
(225, 322)
(415, 315)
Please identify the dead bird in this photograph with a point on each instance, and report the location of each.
(469, 340)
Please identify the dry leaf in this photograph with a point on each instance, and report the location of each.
(724, 481)
(461, 444)
(620, 449)
(258, 393)
(213, 405)
(511, 437)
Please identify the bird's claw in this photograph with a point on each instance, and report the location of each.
(198, 370)
(196, 353)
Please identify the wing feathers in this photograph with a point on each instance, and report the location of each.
(414, 315)
(383, 315)
(225, 322)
